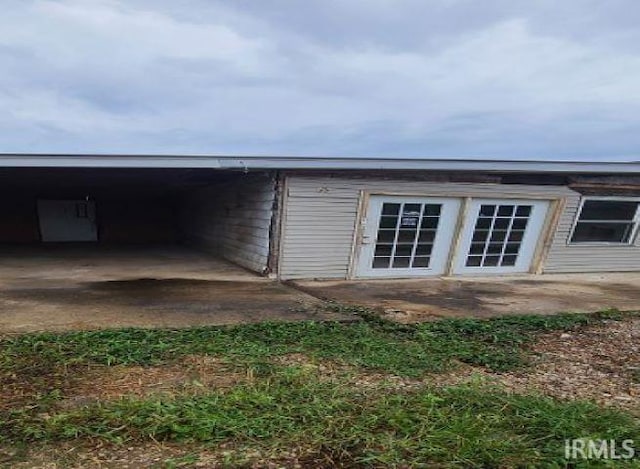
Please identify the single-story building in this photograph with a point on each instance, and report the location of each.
(294, 217)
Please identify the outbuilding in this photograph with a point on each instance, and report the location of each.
(295, 217)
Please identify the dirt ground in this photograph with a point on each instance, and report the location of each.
(424, 299)
(79, 287)
(600, 363)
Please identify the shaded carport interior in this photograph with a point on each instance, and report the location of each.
(158, 260)
(134, 205)
(227, 212)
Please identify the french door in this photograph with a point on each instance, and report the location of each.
(413, 236)
(500, 236)
(407, 236)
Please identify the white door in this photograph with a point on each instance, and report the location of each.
(500, 236)
(67, 220)
(407, 236)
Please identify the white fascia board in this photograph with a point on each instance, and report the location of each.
(72, 161)
(312, 163)
(435, 165)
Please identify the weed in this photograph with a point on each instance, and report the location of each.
(464, 425)
(328, 422)
(181, 461)
(371, 343)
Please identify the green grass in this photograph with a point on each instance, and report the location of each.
(408, 350)
(335, 422)
(471, 425)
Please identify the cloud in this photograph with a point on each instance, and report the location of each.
(375, 77)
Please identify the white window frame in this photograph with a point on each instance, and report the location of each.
(635, 220)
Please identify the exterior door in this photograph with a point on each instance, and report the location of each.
(500, 236)
(67, 220)
(407, 236)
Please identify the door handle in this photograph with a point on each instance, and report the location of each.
(366, 240)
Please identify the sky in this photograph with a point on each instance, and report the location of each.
(537, 79)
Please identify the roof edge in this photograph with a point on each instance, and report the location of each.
(255, 162)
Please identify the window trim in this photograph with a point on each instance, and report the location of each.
(635, 220)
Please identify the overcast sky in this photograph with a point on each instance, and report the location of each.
(454, 78)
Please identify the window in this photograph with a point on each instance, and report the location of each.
(498, 235)
(606, 221)
(406, 234)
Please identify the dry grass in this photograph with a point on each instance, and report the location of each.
(191, 375)
(69, 455)
(78, 386)
(106, 456)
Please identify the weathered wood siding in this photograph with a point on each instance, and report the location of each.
(321, 216)
(232, 219)
(566, 258)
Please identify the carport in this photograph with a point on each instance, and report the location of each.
(94, 242)
(222, 212)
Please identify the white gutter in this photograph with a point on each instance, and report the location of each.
(311, 163)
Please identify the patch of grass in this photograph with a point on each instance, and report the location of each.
(328, 422)
(472, 425)
(498, 344)
(182, 461)
(408, 350)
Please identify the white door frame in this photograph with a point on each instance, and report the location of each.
(442, 242)
(528, 245)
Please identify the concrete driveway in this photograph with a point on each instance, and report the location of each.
(80, 287)
(424, 299)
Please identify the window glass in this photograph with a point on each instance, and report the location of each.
(608, 210)
(405, 235)
(602, 232)
(390, 209)
(497, 238)
(605, 221)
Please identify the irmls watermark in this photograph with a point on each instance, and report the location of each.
(585, 448)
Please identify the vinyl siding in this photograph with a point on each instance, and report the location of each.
(233, 220)
(321, 216)
(566, 258)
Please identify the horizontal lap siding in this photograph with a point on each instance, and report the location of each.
(565, 258)
(233, 220)
(321, 215)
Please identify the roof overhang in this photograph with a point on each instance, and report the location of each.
(247, 163)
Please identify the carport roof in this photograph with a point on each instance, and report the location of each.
(30, 160)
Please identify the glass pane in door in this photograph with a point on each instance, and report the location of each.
(405, 236)
(498, 234)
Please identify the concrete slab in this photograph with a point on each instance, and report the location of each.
(87, 287)
(424, 299)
